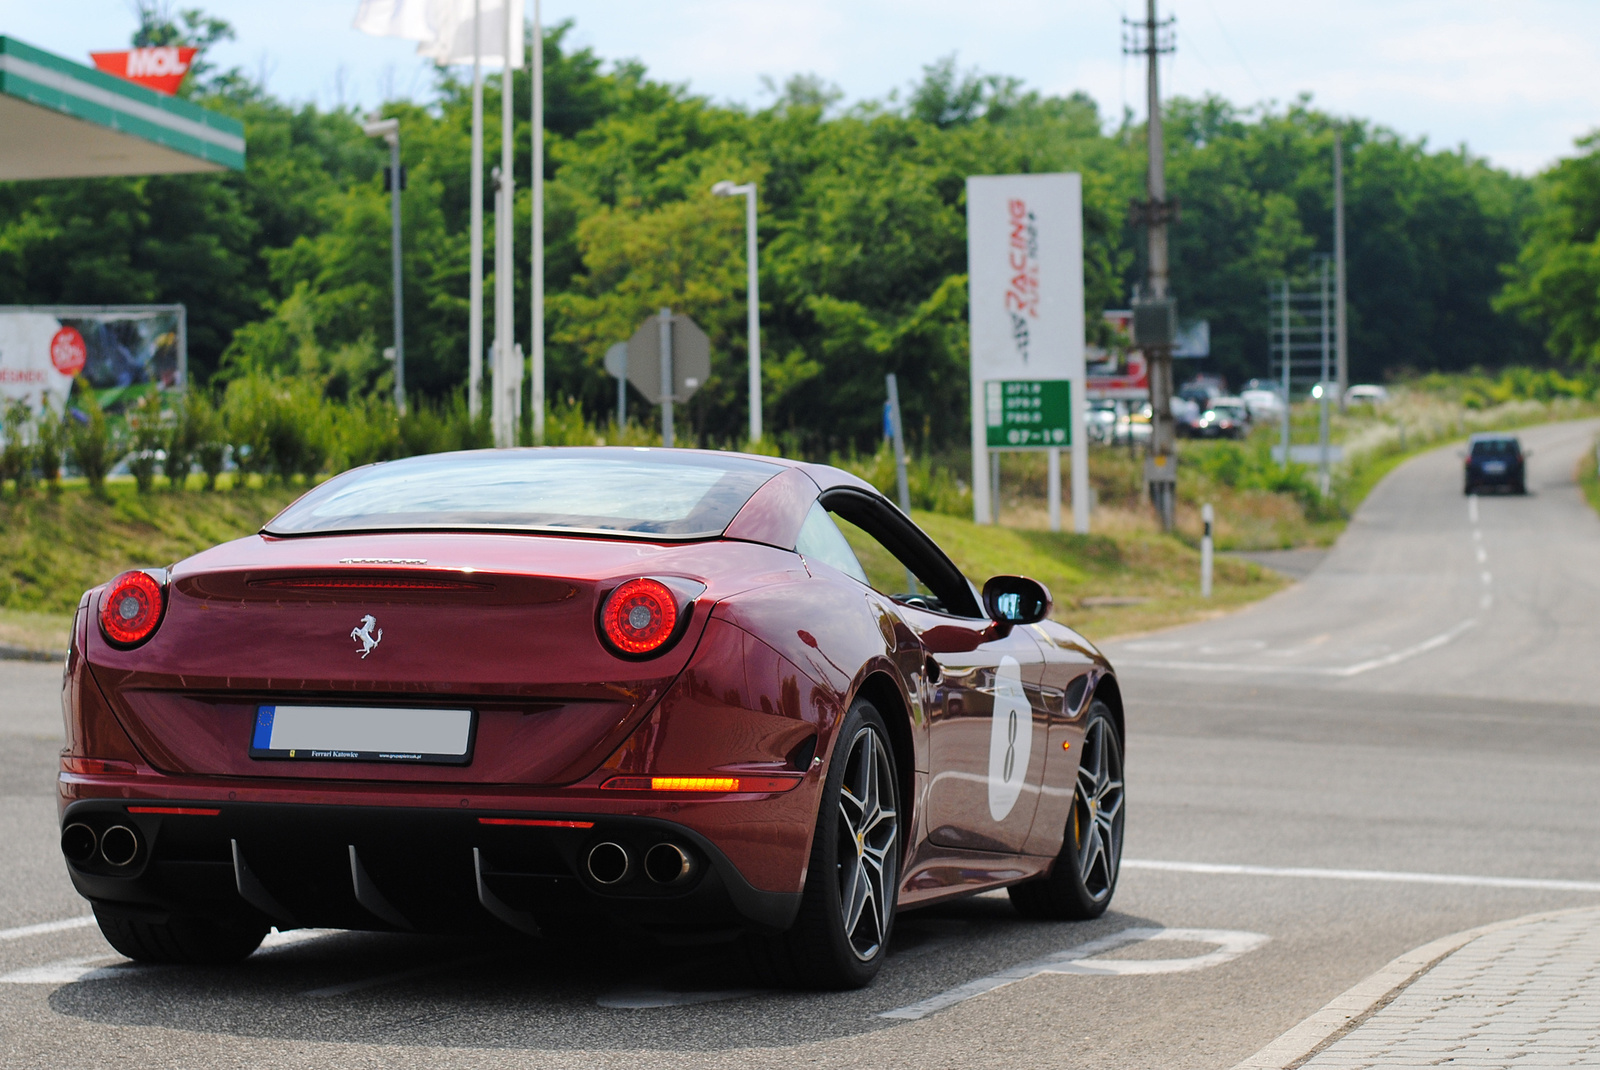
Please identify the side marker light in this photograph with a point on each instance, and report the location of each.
(726, 784)
(184, 811)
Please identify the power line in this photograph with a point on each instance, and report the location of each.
(1234, 49)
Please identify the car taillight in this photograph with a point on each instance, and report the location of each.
(639, 617)
(131, 608)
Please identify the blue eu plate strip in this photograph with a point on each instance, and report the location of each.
(263, 736)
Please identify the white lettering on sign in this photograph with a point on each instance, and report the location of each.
(1010, 739)
(155, 62)
(1087, 959)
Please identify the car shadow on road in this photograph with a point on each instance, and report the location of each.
(415, 991)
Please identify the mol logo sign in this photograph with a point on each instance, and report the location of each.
(161, 69)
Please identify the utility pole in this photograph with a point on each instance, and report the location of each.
(1341, 340)
(389, 130)
(1154, 311)
(475, 280)
(536, 343)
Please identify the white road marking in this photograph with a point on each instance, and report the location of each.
(1486, 601)
(71, 971)
(1310, 670)
(1484, 576)
(1380, 875)
(43, 927)
(1472, 507)
(1476, 534)
(1084, 959)
(1483, 555)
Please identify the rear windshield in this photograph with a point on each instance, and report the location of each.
(648, 493)
(1495, 447)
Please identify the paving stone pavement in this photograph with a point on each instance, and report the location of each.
(1527, 996)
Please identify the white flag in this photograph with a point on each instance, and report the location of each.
(444, 28)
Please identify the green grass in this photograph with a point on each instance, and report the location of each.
(1589, 478)
(1161, 571)
(57, 545)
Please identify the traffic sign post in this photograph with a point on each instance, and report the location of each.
(617, 368)
(668, 348)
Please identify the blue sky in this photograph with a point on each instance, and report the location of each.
(1515, 82)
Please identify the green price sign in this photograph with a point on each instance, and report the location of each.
(1023, 414)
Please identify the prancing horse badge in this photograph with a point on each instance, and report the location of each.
(364, 634)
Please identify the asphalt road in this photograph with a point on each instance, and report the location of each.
(1402, 746)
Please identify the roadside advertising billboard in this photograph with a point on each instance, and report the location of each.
(1025, 288)
(123, 351)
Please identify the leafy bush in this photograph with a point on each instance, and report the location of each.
(94, 450)
(180, 443)
(207, 435)
(934, 487)
(144, 424)
(50, 440)
(16, 449)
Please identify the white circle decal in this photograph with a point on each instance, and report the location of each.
(1010, 739)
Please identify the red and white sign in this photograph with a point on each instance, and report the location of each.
(161, 69)
(67, 351)
(30, 369)
(1115, 374)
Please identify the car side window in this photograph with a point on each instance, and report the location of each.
(821, 540)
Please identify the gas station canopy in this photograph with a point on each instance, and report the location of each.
(61, 119)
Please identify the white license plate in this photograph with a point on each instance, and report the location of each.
(1494, 468)
(363, 734)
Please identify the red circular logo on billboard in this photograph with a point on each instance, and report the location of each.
(67, 351)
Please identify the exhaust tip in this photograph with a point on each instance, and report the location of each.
(609, 863)
(78, 842)
(119, 845)
(667, 863)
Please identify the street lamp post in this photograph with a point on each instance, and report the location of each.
(748, 191)
(389, 130)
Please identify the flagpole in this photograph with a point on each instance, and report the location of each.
(507, 382)
(475, 297)
(536, 346)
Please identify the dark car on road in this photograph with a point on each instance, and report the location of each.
(1495, 461)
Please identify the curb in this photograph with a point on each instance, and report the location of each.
(22, 653)
(1353, 1007)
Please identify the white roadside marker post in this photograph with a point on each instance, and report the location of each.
(1208, 516)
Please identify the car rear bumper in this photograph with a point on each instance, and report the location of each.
(424, 868)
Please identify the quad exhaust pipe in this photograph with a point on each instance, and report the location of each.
(667, 863)
(611, 863)
(117, 846)
(79, 842)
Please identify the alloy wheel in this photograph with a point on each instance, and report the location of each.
(867, 834)
(1097, 810)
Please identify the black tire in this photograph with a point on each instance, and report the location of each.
(179, 939)
(824, 949)
(1080, 885)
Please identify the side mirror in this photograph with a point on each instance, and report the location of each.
(1016, 600)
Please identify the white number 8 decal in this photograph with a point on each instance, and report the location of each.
(1010, 739)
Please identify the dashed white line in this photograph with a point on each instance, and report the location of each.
(1379, 875)
(1310, 670)
(1486, 578)
(1472, 507)
(1483, 555)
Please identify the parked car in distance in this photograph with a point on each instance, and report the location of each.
(1262, 403)
(1102, 420)
(1496, 460)
(1366, 394)
(1202, 389)
(1225, 417)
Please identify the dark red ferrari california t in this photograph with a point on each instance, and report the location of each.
(639, 688)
